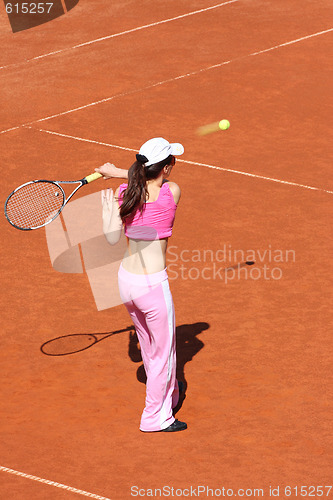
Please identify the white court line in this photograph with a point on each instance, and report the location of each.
(81, 139)
(239, 172)
(52, 483)
(293, 41)
(163, 82)
(108, 37)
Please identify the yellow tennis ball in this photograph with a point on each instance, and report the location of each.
(224, 124)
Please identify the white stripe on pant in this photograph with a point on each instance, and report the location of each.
(149, 302)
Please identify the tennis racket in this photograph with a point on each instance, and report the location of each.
(37, 203)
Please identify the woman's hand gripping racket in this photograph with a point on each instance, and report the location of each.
(37, 203)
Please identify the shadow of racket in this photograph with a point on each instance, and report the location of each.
(77, 342)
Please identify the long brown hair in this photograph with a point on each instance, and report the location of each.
(135, 195)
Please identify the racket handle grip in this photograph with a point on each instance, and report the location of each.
(92, 177)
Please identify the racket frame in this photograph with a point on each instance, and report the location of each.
(81, 183)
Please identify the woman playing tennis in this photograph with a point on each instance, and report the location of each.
(146, 207)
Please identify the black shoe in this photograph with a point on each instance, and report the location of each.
(175, 427)
(182, 396)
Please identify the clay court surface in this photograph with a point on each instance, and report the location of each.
(255, 351)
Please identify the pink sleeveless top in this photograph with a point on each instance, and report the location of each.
(156, 219)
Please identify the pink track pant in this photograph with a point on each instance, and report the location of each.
(149, 302)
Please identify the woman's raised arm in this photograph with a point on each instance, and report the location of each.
(108, 170)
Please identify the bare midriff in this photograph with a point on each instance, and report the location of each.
(145, 257)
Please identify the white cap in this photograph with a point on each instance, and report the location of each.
(159, 149)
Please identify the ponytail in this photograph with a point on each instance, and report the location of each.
(135, 195)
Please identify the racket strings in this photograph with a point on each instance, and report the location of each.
(34, 204)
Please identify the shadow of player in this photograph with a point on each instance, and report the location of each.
(188, 345)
